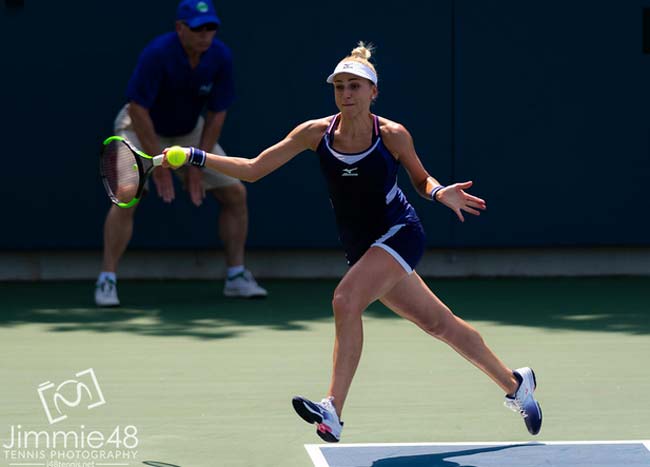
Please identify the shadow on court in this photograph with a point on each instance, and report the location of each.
(438, 459)
(165, 308)
(198, 309)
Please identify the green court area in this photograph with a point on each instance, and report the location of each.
(207, 381)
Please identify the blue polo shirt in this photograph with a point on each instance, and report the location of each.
(176, 94)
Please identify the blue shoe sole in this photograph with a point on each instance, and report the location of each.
(534, 428)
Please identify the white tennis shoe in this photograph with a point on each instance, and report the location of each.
(323, 414)
(243, 285)
(106, 293)
(524, 402)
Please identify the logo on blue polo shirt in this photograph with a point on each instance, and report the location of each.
(202, 7)
(205, 89)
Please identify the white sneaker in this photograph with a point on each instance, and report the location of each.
(323, 414)
(106, 293)
(523, 401)
(243, 285)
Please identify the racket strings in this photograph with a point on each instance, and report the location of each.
(120, 169)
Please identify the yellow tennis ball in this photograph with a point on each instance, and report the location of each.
(176, 156)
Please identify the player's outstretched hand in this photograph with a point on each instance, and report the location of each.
(456, 199)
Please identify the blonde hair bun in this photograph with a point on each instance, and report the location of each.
(363, 51)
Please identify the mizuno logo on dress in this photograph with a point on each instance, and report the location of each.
(350, 172)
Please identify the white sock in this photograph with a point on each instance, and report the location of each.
(106, 276)
(234, 270)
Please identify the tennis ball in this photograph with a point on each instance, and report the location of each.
(176, 156)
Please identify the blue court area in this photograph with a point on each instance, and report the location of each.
(556, 454)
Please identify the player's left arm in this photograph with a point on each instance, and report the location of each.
(399, 141)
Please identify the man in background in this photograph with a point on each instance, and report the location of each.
(179, 94)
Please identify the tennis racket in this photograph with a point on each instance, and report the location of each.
(124, 170)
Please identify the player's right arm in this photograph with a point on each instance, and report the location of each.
(305, 136)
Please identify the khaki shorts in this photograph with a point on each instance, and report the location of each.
(211, 178)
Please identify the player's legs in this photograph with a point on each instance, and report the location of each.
(371, 277)
(412, 299)
(374, 274)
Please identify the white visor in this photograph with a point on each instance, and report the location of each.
(354, 68)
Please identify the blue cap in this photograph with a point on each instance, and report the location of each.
(196, 13)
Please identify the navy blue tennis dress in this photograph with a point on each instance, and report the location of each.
(370, 208)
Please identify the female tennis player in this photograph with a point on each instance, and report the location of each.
(382, 236)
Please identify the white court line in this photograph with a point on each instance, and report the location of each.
(480, 443)
(317, 457)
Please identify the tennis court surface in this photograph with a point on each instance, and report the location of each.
(185, 377)
(556, 454)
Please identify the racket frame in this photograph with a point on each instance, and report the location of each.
(144, 173)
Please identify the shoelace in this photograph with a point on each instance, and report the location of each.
(516, 406)
(329, 408)
(327, 403)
